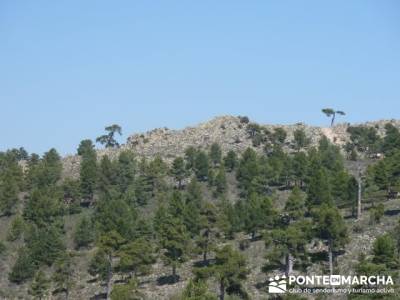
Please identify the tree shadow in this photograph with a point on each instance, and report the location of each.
(99, 296)
(257, 237)
(168, 279)
(392, 212)
(319, 256)
(339, 252)
(202, 263)
(272, 266)
(236, 289)
(85, 203)
(58, 291)
(349, 216)
(261, 285)
(121, 280)
(145, 281)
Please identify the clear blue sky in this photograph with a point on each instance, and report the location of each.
(68, 68)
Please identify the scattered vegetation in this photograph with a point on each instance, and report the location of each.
(132, 213)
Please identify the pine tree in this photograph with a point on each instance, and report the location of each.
(178, 170)
(39, 286)
(108, 174)
(329, 112)
(391, 141)
(248, 169)
(279, 136)
(130, 196)
(376, 213)
(176, 207)
(353, 155)
(48, 171)
(17, 228)
(201, 166)
(278, 162)
(128, 170)
(295, 205)
(230, 161)
(19, 154)
(226, 220)
(44, 206)
(300, 139)
(258, 214)
(129, 291)
(160, 217)
(366, 267)
(330, 156)
(23, 268)
(253, 129)
(215, 154)
(290, 239)
(394, 172)
(211, 177)
(319, 189)
(384, 260)
(136, 257)
(190, 157)
(197, 290)
(114, 214)
(354, 194)
(33, 170)
(174, 239)
(156, 171)
(194, 192)
(381, 176)
(192, 206)
(208, 222)
(108, 139)
(63, 276)
(144, 228)
(8, 195)
(384, 250)
(396, 237)
(240, 216)
(330, 226)
(191, 218)
(340, 188)
(101, 264)
(363, 139)
(88, 168)
(84, 233)
(299, 168)
(229, 269)
(220, 181)
(143, 189)
(72, 195)
(45, 243)
(290, 243)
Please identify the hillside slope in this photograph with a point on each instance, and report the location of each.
(230, 132)
(239, 201)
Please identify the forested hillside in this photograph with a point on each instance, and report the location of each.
(207, 213)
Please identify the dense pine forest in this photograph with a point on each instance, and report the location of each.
(212, 223)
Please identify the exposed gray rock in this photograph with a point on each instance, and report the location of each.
(228, 131)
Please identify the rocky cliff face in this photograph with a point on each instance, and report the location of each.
(230, 132)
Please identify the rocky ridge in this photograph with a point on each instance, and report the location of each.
(230, 132)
